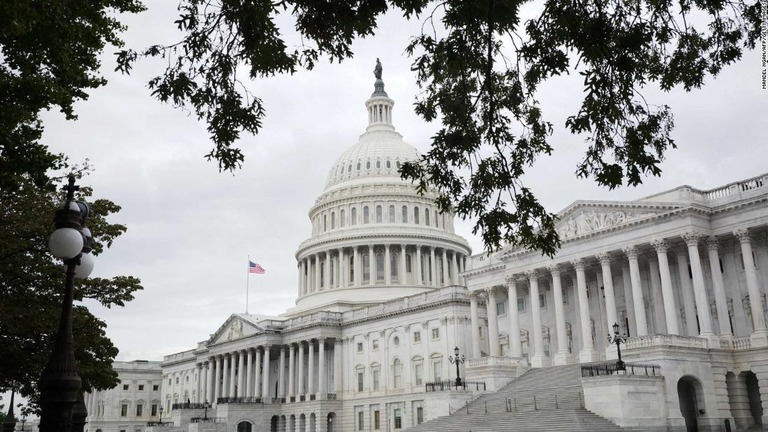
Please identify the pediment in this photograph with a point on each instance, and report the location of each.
(236, 327)
(587, 217)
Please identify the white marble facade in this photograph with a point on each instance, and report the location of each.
(386, 290)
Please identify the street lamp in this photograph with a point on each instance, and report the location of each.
(617, 339)
(161, 414)
(205, 413)
(60, 382)
(458, 360)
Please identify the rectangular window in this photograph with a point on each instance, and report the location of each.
(521, 305)
(501, 309)
(543, 300)
(398, 419)
(375, 374)
(124, 410)
(405, 214)
(360, 420)
(565, 296)
(417, 373)
(155, 387)
(154, 410)
(141, 387)
(360, 381)
(416, 337)
(435, 333)
(359, 347)
(139, 410)
(437, 371)
(376, 420)
(391, 214)
(375, 344)
(125, 386)
(419, 415)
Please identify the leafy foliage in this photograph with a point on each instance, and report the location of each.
(32, 285)
(48, 58)
(479, 65)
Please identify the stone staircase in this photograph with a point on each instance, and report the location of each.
(545, 399)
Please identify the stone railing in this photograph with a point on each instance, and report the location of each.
(444, 293)
(239, 400)
(314, 318)
(736, 188)
(738, 343)
(492, 361)
(665, 340)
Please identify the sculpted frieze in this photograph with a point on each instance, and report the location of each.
(590, 221)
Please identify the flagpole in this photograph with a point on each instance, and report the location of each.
(247, 282)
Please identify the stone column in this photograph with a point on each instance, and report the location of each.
(326, 273)
(432, 267)
(587, 353)
(721, 302)
(371, 265)
(256, 373)
(454, 269)
(670, 307)
(249, 374)
(265, 380)
(699, 289)
(300, 367)
(281, 373)
(760, 334)
(321, 375)
(446, 273)
(225, 375)
(211, 373)
(318, 273)
(493, 322)
(417, 269)
(475, 322)
(689, 305)
(402, 275)
(561, 357)
(387, 265)
(337, 384)
(232, 376)
(240, 391)
(637, 291)
(538, 359)
(357, 268)
(310, 369)
(301, 280)
(291, 371)
(610, 295)
(515, 349)
(343, 270)
(658, 301)
(626, 282)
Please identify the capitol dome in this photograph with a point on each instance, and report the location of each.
(374, 238)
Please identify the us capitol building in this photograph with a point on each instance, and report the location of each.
(387, 291)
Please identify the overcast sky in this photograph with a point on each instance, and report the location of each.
(191, 228)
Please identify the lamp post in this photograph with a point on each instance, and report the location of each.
(458, 360)
(205, 413)
(60, 382)
(617, 340)
(161, 415)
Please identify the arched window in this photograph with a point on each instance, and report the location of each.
(341, 218)
(436, 219)
(244, 427)
(426, 216)
(398, 164)
(378, 214)
(358, 165)
(405, 214)
(379, 267)
(341, 169)
(366, 215)
(416, 215)
(397, 373)
(366, 268)
(333, 220)
(389, 163)
(325, 222)
(353, 219)
(368, 164)
(349, 168)
(391, 214)
(378, 163)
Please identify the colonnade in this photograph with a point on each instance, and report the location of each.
(664, 311)
(393, 264)
(301, 373)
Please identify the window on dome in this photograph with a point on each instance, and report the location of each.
(426, 216)
(366, 215)
(333, 272)
(341, 169)
(353, 219)
(366, 268)
(325, 223)
(391, 214)
(378, 214)
(405, 214)
(379, 267)
(351, 275)
(358, 166)
(389, 163)
(349, 168)
(408, 263)
(398, 164)
(341, 218)
(378, 164)
(333, 220)
(367, 165)
(393, 265)
(416, 215)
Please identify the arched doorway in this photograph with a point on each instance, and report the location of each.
(753, 394)
(329, 421)
(273, 424)
(689, 393)
(244, 426)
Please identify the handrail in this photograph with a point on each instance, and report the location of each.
(612, 368)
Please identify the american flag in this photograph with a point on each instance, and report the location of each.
(255, 268)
